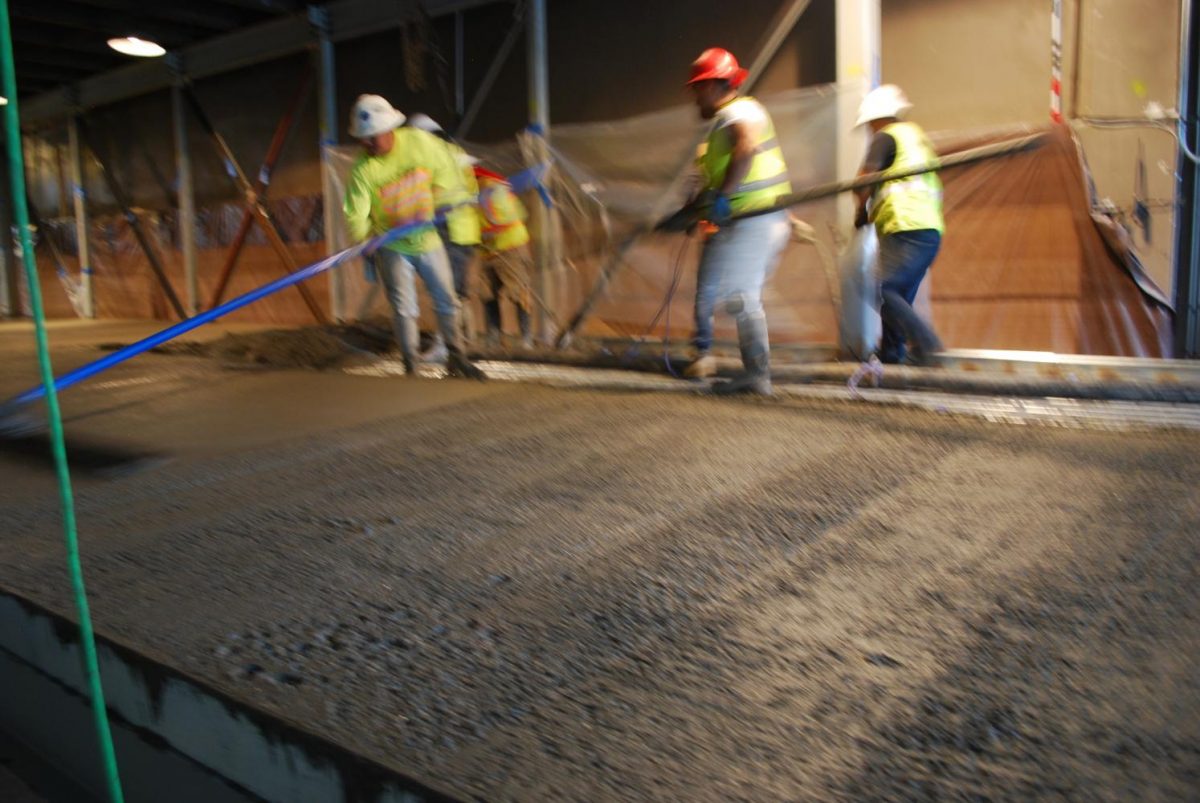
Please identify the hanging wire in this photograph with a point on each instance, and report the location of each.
(91, 666)
(1177, 129)
(664, 308)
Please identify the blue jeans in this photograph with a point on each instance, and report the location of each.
(735, 265)
(397, 272)
(461, 257)
(904, 258)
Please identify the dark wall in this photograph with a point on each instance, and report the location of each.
(608, 59)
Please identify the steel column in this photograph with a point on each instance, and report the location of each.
(328, 137)
(123, 201)
(10, 295)
(1187, 232)
(185, 217)
(82, 223)
(858, 68)
(545, 222)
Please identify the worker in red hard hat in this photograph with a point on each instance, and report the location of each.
(742, 170)
(507, 261)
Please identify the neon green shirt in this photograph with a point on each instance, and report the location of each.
(405, 185)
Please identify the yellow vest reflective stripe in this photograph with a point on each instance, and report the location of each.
(767, 178)
(462, 222)
(502, 216)
(913, 203)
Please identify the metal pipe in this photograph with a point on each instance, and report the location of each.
(493, 72)
(82, 224)
(185, 217)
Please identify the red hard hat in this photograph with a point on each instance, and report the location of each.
(717, 63)
(483, 172)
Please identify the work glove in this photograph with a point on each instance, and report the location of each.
(720, 212)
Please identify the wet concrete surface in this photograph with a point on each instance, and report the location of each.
(516, 592)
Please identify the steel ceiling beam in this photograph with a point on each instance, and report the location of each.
(105, 23)
(33, 33)
(65, 57)
(201, 15)
(266, 41)
(269, 6)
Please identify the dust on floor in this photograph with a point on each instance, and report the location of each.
(527, 593)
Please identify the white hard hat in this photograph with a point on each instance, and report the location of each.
(373, 115)
(882, 102)
(425, 123)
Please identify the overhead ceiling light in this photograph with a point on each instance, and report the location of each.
(133, 46)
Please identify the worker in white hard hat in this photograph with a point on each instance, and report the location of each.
(907, 214)
(406, 176)
(460, 232)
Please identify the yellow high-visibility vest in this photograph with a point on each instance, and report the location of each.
(767, 178)
(913, 203)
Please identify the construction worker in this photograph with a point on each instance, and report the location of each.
(907, 214)
(460, 232)
(402, 177)
(507, 262)
(742, 170)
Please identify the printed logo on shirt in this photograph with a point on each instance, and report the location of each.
(409, 199)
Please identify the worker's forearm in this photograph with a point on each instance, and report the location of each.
(739, 166)
(358, 228)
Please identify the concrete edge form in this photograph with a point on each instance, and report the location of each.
(1013, 409)
(169, 724)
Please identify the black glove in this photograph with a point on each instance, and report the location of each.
(683, 220)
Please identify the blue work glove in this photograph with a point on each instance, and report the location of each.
(721, 211)
(369, 272)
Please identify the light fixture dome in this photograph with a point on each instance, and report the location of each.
(136, 46)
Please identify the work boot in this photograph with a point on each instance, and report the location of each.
(703, 366)
(407, 338)
(436, 353)
(457, 363)
(756, 359)
(924, 347)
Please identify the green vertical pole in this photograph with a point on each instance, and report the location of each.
(91, 667)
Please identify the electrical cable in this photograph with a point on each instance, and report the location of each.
(677, 273)
(87, 641)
